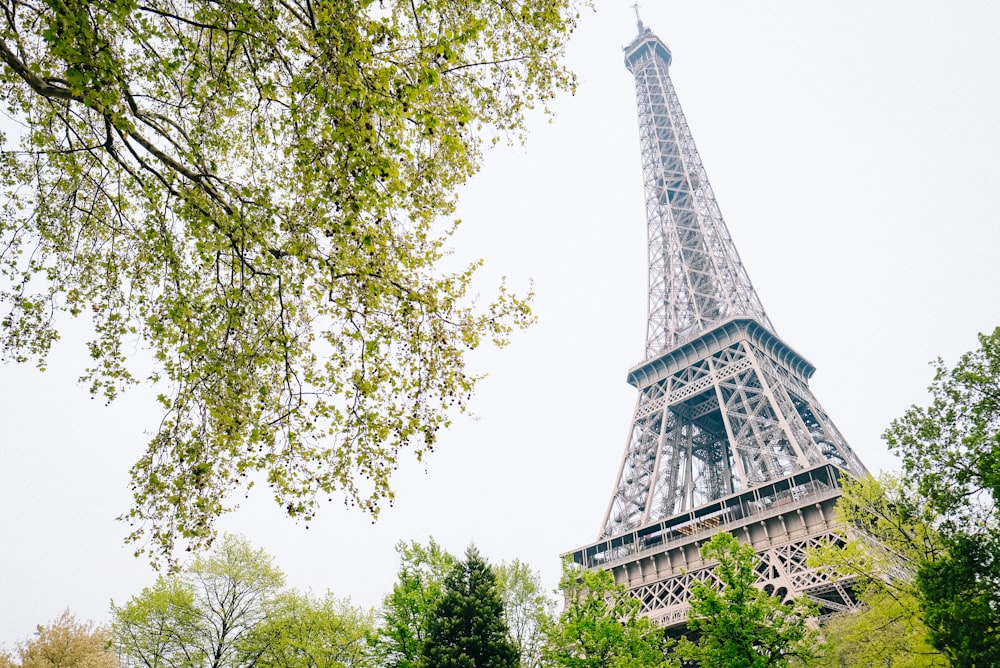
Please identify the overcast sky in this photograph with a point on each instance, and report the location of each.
(854, 149)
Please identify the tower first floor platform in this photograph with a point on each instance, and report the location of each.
(782, 520)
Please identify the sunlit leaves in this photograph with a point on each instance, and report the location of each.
(951, 454)
(407, 610)
(251, 195)
(739, 625)
(305, 631)
(601, 626)
(527, 609)
(891, 533)
(466, 628)
(951, 447)
(229, 609)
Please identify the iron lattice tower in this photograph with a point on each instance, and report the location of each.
(726, 433)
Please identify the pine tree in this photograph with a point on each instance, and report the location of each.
(467, 628)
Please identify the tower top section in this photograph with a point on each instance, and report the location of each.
(696, 278)
(644, 46)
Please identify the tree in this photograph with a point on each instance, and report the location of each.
(159, 627)
(960, 599)
(951, 453)
(407, 610)
(64, 643)
(229, 610)
(881, 633)
(467, 628)
(739, 625)
(201, 617)
(891, 535)
(951, 448)
(301, 631)
(251, 192)
(601, 627)
(527, 609)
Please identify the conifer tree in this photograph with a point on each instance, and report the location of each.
(467, 629)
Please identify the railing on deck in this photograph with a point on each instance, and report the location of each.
(773, 498)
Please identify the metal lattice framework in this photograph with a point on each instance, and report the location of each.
(726, 433)
(696, 278)
(722, 413)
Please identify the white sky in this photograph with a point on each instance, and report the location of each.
(854, 150)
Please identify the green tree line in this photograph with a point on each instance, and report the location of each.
(231, 609)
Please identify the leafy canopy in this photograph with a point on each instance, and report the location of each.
(305, 631)
(248, 193)
(739, 625)
(64, 642)
(890, 536)
(527, 609)
(926, 546)
(951, 447)
(960, 598)
(601, 626)
(878, 634)
(407, 610)
(951, 453)
(229, 609)
(200, 616)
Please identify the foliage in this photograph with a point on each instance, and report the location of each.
(951, 454)
(601, 627)
(884, 632)
(407, 610)
(467, 627)
(891, 532)
(960, 598)
(158, 627)
(200, 617)
(64, 643)
(890, 535)
(230, 609)
(951, 448)
(527, 609)
(250, 192)
(739, 625)
(301, 631)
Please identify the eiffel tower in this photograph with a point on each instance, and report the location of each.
(726, 434)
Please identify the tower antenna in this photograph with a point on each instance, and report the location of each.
(638, 19)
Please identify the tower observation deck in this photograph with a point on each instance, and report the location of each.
(726, 434)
